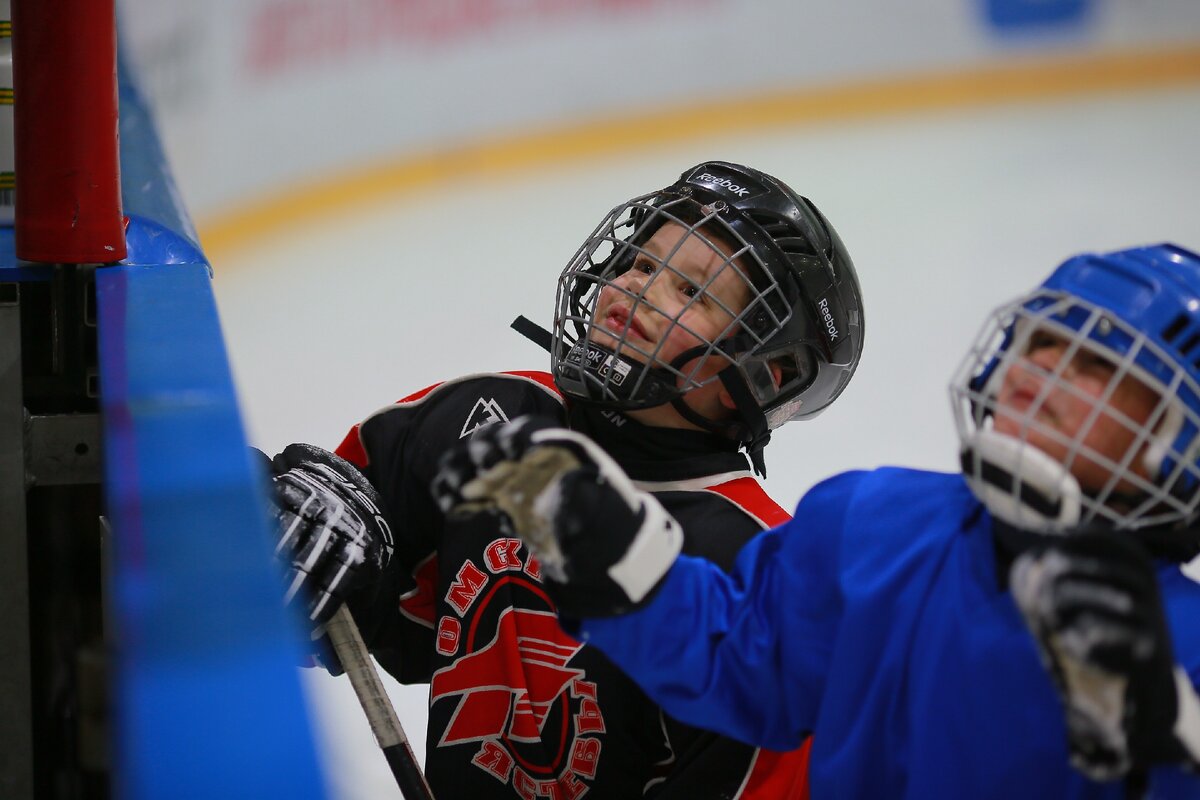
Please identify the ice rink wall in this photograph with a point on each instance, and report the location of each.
(206, 699)
(259, 98)
(148, 653)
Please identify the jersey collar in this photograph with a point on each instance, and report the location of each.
(654, 454)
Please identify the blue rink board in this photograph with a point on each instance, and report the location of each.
(207, 702)
(206, 699)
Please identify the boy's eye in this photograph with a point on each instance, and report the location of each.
(1040, 340)
(644, 267)
(1086, 359)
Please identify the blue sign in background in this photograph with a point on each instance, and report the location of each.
(1018, 14)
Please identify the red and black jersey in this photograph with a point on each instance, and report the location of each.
(518, 709)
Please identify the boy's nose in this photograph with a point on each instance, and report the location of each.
(641, 284)
(631, 280)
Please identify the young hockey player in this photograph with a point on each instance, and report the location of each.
(691, 323)
(930, 630)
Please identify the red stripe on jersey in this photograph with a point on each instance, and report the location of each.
(779, 776)
(415, 396)
(420, 604)
(544, 378)
(352, 449)
(773, 776)
(748, 494)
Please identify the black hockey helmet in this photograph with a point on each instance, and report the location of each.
(787, 354)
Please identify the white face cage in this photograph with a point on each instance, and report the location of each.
(610, 365)
(1154, 480)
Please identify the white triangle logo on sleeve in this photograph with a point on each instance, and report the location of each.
(1192, 569)
(485, 412)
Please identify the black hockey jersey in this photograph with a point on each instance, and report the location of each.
(518, 709)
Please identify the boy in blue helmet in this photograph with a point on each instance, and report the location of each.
(1025, 629)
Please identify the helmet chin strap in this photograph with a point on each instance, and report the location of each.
(751, 427)
(533, 332)
(1048, 501)
(752, 430)
(1046, 497)
(544, 339)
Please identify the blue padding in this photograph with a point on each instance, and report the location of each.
(149, 243)
(207, 701)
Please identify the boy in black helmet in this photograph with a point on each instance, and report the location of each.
(692, 322)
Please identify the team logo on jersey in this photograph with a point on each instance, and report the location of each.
(517, 697)
(485, 412)
(515, 712)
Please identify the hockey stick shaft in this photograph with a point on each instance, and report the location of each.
(385, 725)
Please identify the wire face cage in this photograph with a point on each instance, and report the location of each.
(1061, 385)
(662, 296)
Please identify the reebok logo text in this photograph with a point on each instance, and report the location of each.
(724, 183)
(827, 317)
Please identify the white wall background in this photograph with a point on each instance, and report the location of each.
(947, 212)
(255, 95)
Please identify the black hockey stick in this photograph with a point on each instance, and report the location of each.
(352, 652)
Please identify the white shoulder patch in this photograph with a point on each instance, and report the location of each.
(1192, 569)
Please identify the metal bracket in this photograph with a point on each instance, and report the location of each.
(62, 449)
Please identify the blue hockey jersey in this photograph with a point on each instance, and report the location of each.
(876, 619)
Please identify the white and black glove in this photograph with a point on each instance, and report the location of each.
(603, 545)
(332, 537)
(1092, 602)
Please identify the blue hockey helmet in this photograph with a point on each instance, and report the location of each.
(1138, 312)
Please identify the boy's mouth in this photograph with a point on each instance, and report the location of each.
(618, 320)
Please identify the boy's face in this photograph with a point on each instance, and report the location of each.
(1072, 410)
(681, 293)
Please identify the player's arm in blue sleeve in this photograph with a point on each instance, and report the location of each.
(745, 654)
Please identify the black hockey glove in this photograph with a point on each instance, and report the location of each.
(603, 545)
(332, 537)
(1092, 603)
